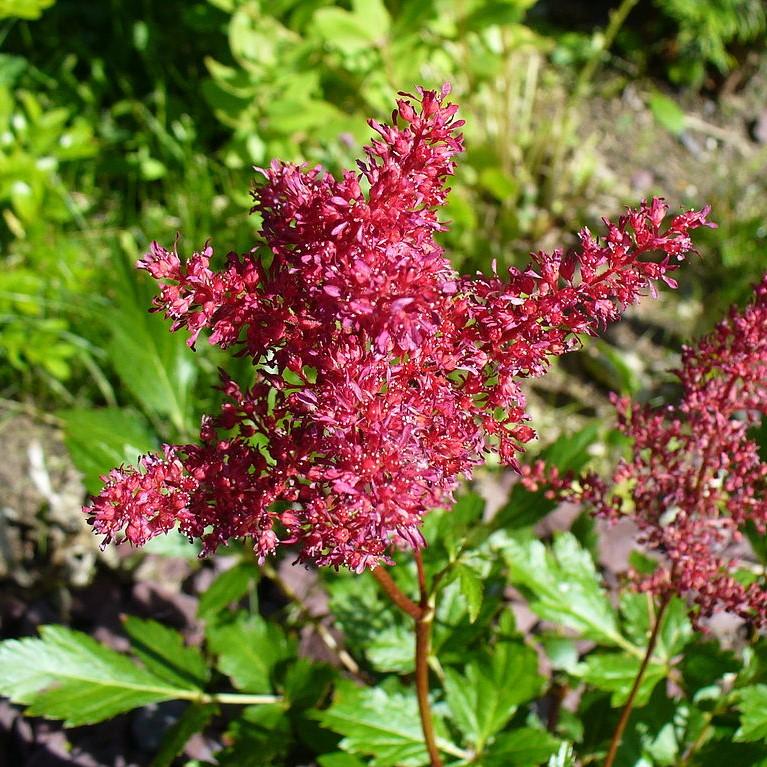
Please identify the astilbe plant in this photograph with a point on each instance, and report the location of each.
(382, 376)
(695, 479)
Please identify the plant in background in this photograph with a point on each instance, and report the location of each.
(695, 483)
(706, 32)
(298, 78)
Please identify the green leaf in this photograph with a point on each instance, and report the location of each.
(174, 544)
(486, 695)
(504, 187)
(248, 649)
(163, 652)
(755, 538)
(526, 747)
(704, 663)
(752, 702)
(374, 15)
(348, 32)
(392, 649)
(676, 630)
(306, 683)
(99, 440)
(194, 719)
(293, 114)
(230, 586)
(668, 113)
(571, 453)
(455, 524)
(155, 365)
(725, 752)
(361, 611)
(377, 722)
(506, 13)
(24, 9)
(616, 672)
(568, 454)
(563, 586)
(472, 589)
(260, 737)
(67, 675)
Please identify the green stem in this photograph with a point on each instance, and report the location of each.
(617, 17)
(423, 626)
(236, 699)
(567, 124)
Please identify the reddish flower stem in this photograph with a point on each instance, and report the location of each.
(422, 613)
(422, 643)
(623, 721)
(398, 597)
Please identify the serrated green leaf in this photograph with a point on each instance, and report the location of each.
(163, 652)
(99, 440)
(194, 719)
(260, 737)
(563, 586)
(230, 586)
(526, 747)
(705, 663)
(472, 589)
(752, 702)
(616, 672)
(248, 649)
(392, 649)
(306, 683)
(378, 723)
(68, 675)
(361, 612)
(156, 366)
(486, 695)
(639, 611)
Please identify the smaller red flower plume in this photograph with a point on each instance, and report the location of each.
(382, 375)
(695, 477)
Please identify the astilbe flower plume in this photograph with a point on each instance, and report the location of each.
(695, 478)
(382, 376)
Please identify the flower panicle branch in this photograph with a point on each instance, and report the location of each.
(382, 375)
